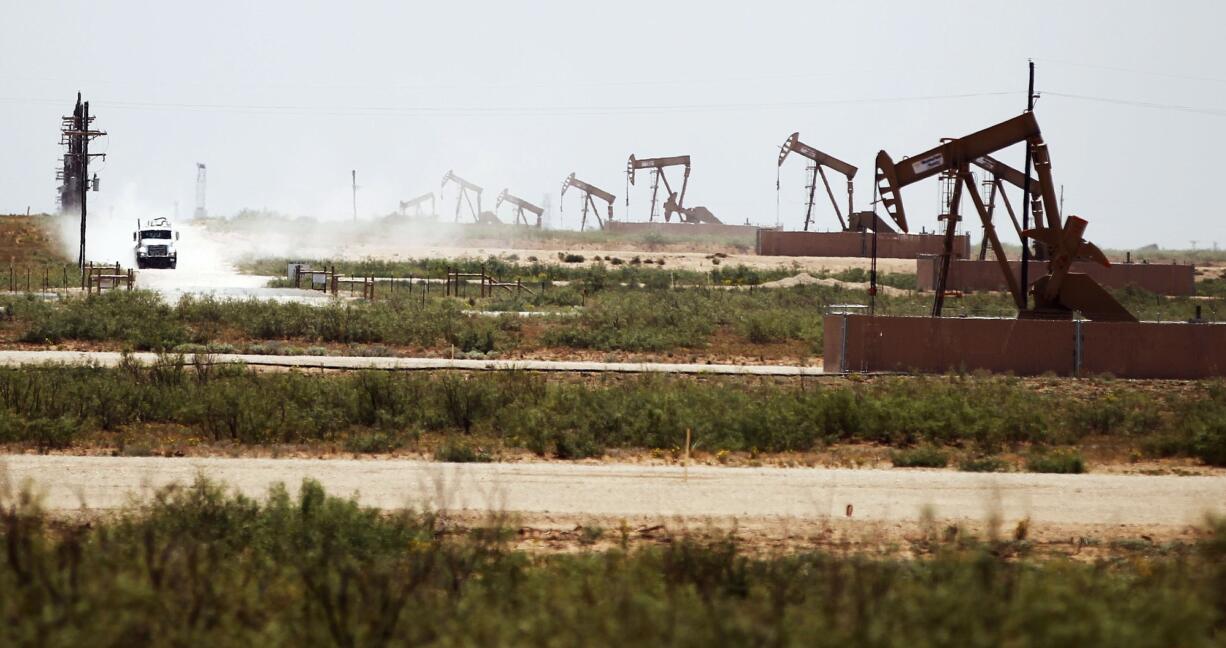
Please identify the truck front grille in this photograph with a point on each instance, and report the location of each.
(158, 250)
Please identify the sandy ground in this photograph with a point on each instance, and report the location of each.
(773, 504)
(702, 261)
(689, 256)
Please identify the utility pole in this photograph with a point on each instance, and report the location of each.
(355, 195)
(1026, 200)
(76, 134)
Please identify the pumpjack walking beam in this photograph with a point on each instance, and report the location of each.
(891, 178)
(521, 206)
(657, 166)
(462, 197)
(590, 191)
(820, 162)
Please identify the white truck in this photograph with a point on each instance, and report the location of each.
(155, 244)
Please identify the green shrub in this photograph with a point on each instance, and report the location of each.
(576, 418)
(569, 444)
(921, 457)
(762, 328)
(51, 433)
(1203, 421)
(138, 318)
(372, 442)
(197, 565)
(459, 451)
(1065, 461)
(983, 464)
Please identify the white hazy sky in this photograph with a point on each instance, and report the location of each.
(282, 99)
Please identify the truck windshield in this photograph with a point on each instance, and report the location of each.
(155, 234)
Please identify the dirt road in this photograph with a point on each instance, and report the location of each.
(112, 358)
(571, 491)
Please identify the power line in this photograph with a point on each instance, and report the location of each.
(560, 84)
(514, 111)
(1139, 104)
(1114, 68)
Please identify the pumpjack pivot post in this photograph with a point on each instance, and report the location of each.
(590, 192)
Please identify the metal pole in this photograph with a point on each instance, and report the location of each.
(1026, 201)
(843, 347)
(355, 194)
(83, 165)
(1077, 348)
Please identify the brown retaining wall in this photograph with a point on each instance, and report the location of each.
(687, 229)
(1024, 347)
(974, 275)
(856, 244)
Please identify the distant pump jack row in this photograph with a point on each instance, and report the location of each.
(468, 205)
(468, 199)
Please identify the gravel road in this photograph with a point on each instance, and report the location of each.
(112, 358)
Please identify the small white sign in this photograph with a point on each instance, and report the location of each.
(934, 161)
